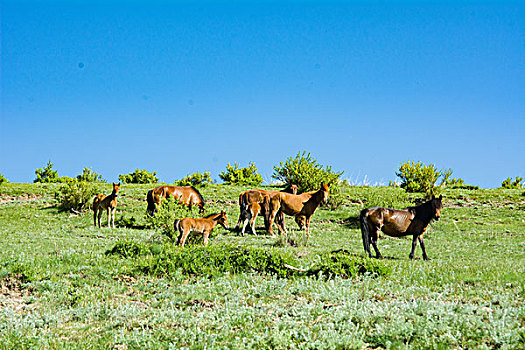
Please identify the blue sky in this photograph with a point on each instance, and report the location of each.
(184, 86)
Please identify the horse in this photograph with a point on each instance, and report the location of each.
(297, 205)
(203, 225)
(187, 195)
(398, 223)
(109, 203)
(252, 210)
(261, 197)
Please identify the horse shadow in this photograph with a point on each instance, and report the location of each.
(351, 222)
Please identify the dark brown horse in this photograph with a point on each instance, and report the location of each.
(187, 195)
(261, 197)
(398, 223)
(298, 205)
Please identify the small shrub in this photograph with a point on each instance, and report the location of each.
(168, 210)
(292, 238)
(306, 173)
(139, 177)
(241, 176)
(3, 179)
(196, 179)
(509, 184)
(46, 174)
(344, 264)
(418, 177)
(124, 221)
(89, 175)
(75, 195)
(129, 249)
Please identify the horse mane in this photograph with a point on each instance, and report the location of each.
(423, 211)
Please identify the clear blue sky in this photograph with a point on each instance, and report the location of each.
(184, 86)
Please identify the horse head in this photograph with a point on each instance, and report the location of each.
(116, 188)
(437, 205)
(223, 220)
(325, 188)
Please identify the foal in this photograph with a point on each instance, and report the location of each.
(251, 211)
(109, 203)
(203, 225)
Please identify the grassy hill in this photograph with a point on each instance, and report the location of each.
(61, 290)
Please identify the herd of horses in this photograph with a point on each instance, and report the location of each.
(273, 206)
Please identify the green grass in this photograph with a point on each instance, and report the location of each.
(470, 295)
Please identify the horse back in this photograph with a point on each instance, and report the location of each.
(393, 222)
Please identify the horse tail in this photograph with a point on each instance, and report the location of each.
(151, 203)
(365, 230)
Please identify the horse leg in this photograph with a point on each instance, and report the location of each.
(252, 220)
(206, 235)
(184, 236)
(99, 216)
(308, 226)
(280, 220)
(422, 244)
(244, 224)
(109, 216)
(374, 234)
(113, 211)
(414, 243)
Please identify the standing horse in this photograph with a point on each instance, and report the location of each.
(109, 203)
(398, 223)
(297, 205)
(261, 197)
(187, 195)
(203, 225)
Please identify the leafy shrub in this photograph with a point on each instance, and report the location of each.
(89, 175)
(306, 173)
(241, 176)
(418, 177)
(75, 195)
(347, 265)
(509, 184)
(217, 260)
(46, 174)
(125, 221)
(167, 211)
(196, 179)
(139, 177)
(394, 198)
(2, 179)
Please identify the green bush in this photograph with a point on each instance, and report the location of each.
(167, 211)
(139, 177)
(344, 264)
(418, 177)
(241, 176)
(75, 195)
(2, 179)
(306, 173)
(509, 184)
(46, 174)
(196, 179)
(89, 175)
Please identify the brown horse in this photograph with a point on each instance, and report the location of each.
(398, 223)
(187, 195)
(263, 198)
(102, 202)
(203, 225)
(297, 205)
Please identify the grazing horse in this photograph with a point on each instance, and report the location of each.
(261, 197)
(251, 212)
(203, 225)
(109, 203)
(398, 223)
(297, 205)
(187, 195)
